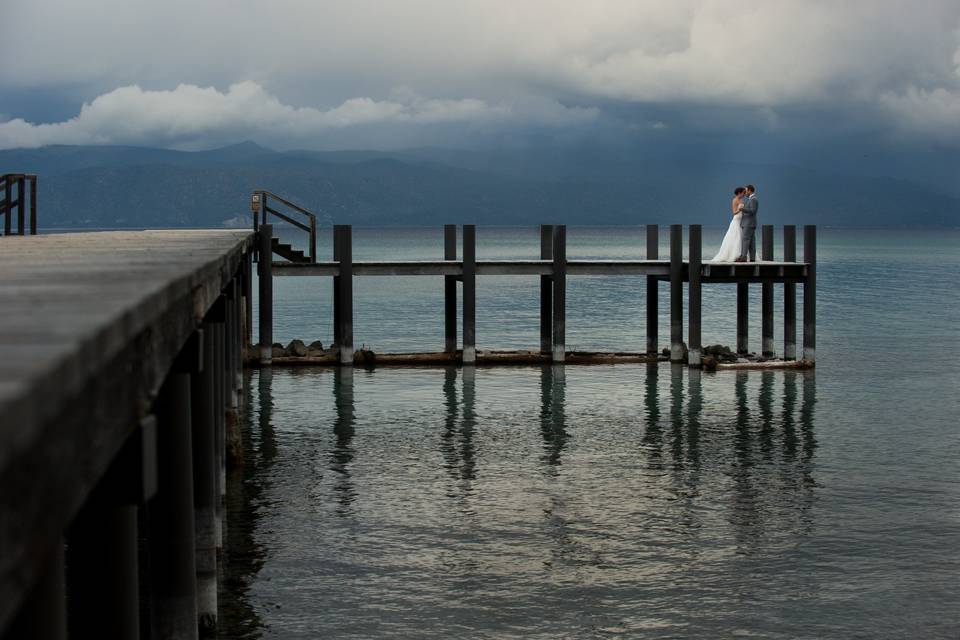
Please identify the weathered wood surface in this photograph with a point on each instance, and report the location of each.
(90, 323)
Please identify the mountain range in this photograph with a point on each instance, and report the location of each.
(113, 186)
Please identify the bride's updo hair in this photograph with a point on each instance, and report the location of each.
(739, 191)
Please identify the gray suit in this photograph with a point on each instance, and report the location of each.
(748, 224)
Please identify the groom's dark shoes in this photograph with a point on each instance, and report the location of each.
(740, 259)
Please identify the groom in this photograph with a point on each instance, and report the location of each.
(748, 224)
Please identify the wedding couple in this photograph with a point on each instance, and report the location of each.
(739, 243)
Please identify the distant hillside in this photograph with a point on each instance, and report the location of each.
(136, 187)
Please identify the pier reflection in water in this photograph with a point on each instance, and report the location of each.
(534, 502)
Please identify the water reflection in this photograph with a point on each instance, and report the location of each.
(460, 421)
(553, 427)
(342, 453)
(653, 434)
(243, 556)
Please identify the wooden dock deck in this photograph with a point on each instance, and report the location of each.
(94, 327)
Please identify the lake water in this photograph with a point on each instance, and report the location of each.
(646, 501)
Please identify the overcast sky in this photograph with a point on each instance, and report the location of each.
(380, 74)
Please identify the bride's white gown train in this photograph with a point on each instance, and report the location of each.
(730, 247)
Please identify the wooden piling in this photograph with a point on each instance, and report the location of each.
(265, 272)
(469, 294)
(546, 291)
(43, 613)
(103, 559)
(743, 318)
(695, 250)
(247, 302)
(558, 345)
(810, 293)
(653, 285)
(21, 205)
(205, 481)
(344, 242)
(7, 200)
(171, 539)
(33, 205)
(789, 296)
(766, 294)
(450, 291)
(676, 293)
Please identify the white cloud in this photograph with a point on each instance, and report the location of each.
(761, 56)
(193, 116)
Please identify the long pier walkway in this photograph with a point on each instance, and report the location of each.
(120, 365)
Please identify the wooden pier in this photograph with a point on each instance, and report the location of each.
(120, 371)
(683, 266)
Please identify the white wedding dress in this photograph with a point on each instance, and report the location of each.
(730, 247)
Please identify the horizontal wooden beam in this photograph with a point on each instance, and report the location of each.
(754, 272)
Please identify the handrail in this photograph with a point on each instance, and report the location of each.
(261, 210)
(9, 204)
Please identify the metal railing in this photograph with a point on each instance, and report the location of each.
(9, 204)
(260, 203)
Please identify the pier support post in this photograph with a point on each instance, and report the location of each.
(102, 560)
(766, 294)
(450, 291)
(206, 468)
(789, 296)
(33, 205)
(171, 539)
(247, 302)
(558, 347)
(43, 613)
(546, 291)
(21, 206)
(695, 250)
(469, 293)
(676, 293)
(7, 199)
(810, 293)
(653, 285)
(265, 272)
(743, 318)
(344, 291)
(216, 317)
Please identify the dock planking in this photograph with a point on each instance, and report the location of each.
(90, 325)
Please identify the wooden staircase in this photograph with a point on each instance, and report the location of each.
(294, 215)
(287, 251)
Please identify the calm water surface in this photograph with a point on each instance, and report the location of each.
(609, 501)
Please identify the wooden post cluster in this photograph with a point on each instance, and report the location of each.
(18, 212)
(789, 296)
(450, 291)
(653, 285)
(676, 293)
(766, 294)
(810, 293)
(469, 294)
(343, 292)
(265, 272)
(546, 291)
(695, 250)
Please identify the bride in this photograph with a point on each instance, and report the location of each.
(730, 247)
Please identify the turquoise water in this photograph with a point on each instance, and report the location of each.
(609, 501)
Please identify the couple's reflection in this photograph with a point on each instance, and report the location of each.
(758, 447)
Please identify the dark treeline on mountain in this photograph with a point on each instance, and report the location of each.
(141, 187)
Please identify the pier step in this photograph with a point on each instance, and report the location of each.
(287, 251)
